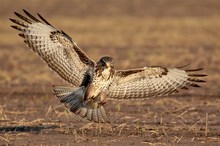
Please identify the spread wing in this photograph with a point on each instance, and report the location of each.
(54, 46)
(151, 81)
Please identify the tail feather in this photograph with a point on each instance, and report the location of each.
(100, 116)
(82, 112)
(103, 113)
(73, 99)
(95, 115)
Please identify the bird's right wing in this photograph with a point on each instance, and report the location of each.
(54, 46)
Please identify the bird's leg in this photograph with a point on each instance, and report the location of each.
(102, 98)
(89, 92)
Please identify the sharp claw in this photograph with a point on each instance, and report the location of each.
(102, 102)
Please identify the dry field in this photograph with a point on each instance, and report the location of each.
(136, 33)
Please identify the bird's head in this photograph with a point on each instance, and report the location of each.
(105, 67)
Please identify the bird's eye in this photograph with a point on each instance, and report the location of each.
(103, 63)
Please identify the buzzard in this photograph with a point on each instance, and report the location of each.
(93, 82)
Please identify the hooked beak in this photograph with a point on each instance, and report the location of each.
(108, 65)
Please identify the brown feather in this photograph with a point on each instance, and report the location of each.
(197, 75)
(23, 18)
(18, 28)
(19, 22)
(44, 20)
(152, 81)
(195, 80)
(72, 66)
(192, 70)
(31, 16)
(129, 72)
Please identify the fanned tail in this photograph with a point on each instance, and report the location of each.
(73, 99)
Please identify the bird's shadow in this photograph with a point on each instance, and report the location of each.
(26, 128)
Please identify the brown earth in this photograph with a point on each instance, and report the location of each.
(136, 33)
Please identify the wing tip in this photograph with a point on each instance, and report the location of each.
(195, 85)
(17, 14)
(44, 20)
(179, 67)
(25, 11)
(197, 75)
(11, 19)
(16, 27)
(21, 35)
(192, 70)
(196, 80)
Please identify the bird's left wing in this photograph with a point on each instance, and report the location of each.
(54, 46)
(151, 81)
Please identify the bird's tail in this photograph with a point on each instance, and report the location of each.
(73, 99)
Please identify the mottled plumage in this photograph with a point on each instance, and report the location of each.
(94, 82)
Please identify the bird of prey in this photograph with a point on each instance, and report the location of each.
(92, 82)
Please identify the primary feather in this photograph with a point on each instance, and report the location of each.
(54, 46)
(151, 81)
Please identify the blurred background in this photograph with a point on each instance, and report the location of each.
(135, 33)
